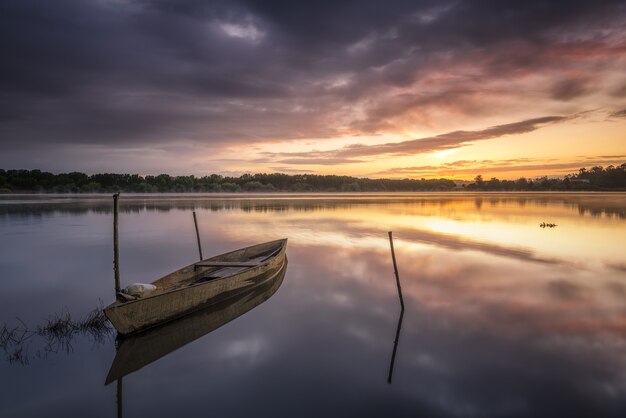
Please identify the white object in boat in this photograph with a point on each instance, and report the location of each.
(139, 290)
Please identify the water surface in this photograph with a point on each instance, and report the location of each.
(503, 317)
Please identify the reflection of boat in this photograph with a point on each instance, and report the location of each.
(197, 285)
(137, 351)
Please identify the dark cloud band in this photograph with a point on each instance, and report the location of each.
(118, 74)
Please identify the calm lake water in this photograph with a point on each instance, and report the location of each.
(502, 317)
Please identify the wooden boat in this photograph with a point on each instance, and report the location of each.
(198, 285)
(137, 351)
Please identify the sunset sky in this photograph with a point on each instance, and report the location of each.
(367, 88)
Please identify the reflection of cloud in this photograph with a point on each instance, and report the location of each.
(468, 314)
(249, 349)
(481, 335)
(482, 331)
(426, 361)
(341, 299)
(363, 334)
(455, 242)
(484, 290)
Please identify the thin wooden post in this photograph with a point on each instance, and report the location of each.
(195, 221)
(116, 246)
(395, 269)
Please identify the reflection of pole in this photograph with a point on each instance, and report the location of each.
(395, 342)
(395, 269)
(116, 248)
(195, 221)
(395, 346)
(119, 398)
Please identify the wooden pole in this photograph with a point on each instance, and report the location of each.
(195, 221)
(116, 246)
(395, 269)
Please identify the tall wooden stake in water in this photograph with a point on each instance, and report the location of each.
(395, 270)
(116, 247)
(195, 221)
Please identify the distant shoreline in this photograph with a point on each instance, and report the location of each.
(597, 179)
(239, 195)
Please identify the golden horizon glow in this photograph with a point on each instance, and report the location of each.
(554, 150)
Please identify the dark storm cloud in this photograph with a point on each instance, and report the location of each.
(122, 74)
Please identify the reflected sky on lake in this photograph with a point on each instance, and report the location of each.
(503, 318)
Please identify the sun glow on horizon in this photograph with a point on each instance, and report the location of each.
(553, 151)
(443, 154)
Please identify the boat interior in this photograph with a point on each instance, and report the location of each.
(219, 266)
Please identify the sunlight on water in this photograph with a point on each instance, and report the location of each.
(503, 317)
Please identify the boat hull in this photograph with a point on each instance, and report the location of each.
(137, 315)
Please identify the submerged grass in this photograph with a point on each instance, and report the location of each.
(13, 342)
(57, 332)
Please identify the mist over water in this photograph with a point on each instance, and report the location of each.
(503, 317)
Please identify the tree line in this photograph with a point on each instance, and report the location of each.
(14, 181)
(596, 178)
